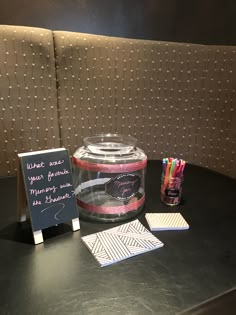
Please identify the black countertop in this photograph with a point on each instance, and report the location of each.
(60, 276)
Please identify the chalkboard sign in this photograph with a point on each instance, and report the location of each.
(48, 187)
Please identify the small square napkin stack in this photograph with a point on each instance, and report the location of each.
(121, 242)
(166, 221)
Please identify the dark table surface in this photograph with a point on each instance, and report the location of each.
(60, 276)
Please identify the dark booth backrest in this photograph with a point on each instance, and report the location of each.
(176, 99)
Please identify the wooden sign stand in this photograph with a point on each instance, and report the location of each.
(59, 189)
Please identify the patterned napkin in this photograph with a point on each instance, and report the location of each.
(166, 221)
(121, 242)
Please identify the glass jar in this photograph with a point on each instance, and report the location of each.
(109, 178)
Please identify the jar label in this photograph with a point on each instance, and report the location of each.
(172, 192)
(123, 186)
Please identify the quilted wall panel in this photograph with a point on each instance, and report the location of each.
(176, 99)
(28, 96)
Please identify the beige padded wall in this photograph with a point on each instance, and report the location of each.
(28, 103)
(176, 99)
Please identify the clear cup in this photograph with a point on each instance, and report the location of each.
(171, 190)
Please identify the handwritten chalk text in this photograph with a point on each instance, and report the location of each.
(33, 179)
(65, 185)
(37, 192)
(54, 163)
(37, 202)
(31, 166)
(58, 173)
(50, 199)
